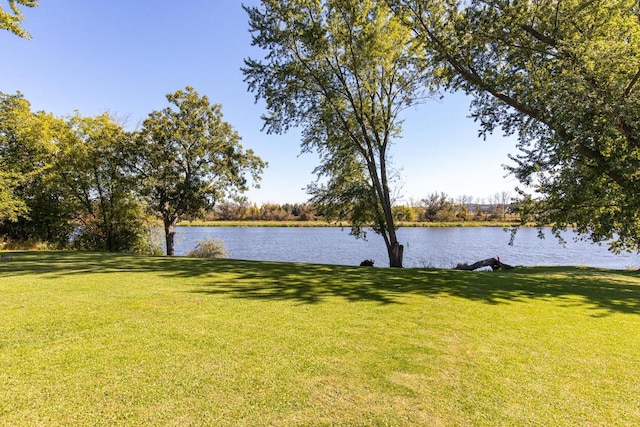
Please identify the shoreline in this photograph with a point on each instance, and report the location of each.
(301, 224)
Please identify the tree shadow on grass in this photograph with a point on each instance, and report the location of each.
(611, 290)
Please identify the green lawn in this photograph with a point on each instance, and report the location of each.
(96, 339)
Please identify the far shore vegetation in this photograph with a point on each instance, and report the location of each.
(436, 210)
(320, 223)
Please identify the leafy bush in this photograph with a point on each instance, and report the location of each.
(150, 241)
(8, 244)
(209, 248)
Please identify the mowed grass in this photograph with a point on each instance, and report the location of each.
(102, 339)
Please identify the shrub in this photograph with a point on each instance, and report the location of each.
(151, 239)
(209, 248)
(7, 244)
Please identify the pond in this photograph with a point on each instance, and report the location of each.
(424, 247)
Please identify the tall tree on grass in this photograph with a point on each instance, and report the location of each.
(30, 202)
(15, 111)
(342, 70)
(565, 77)
(11, 20)
(189, 158)
(91, 167)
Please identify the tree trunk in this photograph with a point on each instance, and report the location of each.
(494, 263)
(169, 234)
(396, 252)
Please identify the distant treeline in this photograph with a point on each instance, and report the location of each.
(437, 207)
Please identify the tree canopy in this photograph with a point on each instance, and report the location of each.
(563, 77)
(91, 168)
(25, 149)
(12, 109)
(343, 71)
(65, 181)
(189, 157)
(11, 20)
(86, 182)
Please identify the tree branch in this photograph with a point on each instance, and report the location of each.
(539, 36)
(632, 83)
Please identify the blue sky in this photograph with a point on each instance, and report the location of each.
(125, 56)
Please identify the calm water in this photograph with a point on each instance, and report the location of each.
(424, 247)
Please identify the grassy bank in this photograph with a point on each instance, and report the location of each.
(96, 339)
(345, 224)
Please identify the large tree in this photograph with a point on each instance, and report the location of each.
(14, 110)
(563, 76)
(342, 70)
(189, 158)
(11, 20)
(65, 181)
(91, 168)
(30, 203)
